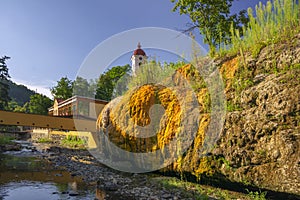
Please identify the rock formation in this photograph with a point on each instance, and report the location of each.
(260, 141)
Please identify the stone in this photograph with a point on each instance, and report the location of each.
(73, 193)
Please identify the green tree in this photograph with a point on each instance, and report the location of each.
(92, 87)
(22, 109)
(212, 18)
(107, 81)
(63, 89)
(83, 87)
(12, 105)
(39, 104)
(4, 87)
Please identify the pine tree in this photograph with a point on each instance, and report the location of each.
(4, 87)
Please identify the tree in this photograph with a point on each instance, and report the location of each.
(22, 109)
(39, 104)
(4, 87)
(12, 105)
(84, 88)
(212, 18)
(63, 89)
(107, 81)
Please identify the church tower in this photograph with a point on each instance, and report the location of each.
(137, 59)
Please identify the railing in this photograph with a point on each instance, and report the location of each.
(43, 121)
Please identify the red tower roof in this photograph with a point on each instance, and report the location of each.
(139, 51)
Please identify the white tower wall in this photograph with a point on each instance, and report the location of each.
(137, 59)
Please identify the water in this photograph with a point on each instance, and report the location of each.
(24, 176)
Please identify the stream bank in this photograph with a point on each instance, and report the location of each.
(62, 173)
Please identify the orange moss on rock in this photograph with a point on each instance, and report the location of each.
(192, 161)
(228, 71)
(132, 116)
(140, 103)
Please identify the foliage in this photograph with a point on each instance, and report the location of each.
(39, 104)
(276, 21)
(12, 105)
(73, 142)
(175, 65)
(256, 195)
(20, 97)
(232, 106)
(83, 87)
(4, 87)
(44, 140)
(5, 140)
(213, 19)
(150, 73)
(63, 89)
(19, 93)
(22, 109)
(107, 81)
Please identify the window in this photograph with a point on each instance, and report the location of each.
(141, 58)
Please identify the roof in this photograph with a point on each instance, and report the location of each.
(59, 100)
(139, 51)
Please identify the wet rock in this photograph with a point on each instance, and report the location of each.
(74, 174)
(11, 147)
(73, 193)
(110, 187)
(58, 175)
(166, 196)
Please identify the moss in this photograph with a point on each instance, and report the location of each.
(228, 71)
(133, 113)
(205, 167)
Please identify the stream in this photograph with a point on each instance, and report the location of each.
(25, 175)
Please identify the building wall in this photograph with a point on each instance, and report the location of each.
(55, 108)
(95, 109)
(136, 62)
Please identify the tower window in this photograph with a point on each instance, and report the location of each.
(141, 58)
(140, 63)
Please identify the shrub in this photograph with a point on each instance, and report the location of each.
(276, 21)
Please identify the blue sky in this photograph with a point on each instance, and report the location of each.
(47, 40)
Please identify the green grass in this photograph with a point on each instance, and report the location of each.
(230, 107)
(275, 22)
(44, 140)
(257, 195)
(197, 191)
(73, 142)
(5, 140)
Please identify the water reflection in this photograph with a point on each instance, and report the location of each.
(32, 178)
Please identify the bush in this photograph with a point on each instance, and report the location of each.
(5, 140)
(73, 142)
(276, 21)
(44, 140)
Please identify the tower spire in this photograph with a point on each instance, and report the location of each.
(138, 58)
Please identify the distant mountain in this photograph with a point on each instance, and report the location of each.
(20, 93)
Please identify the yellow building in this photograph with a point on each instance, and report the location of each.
(77, 107)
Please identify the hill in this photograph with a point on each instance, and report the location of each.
(19, 93)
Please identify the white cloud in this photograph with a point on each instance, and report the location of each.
(39, 88)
